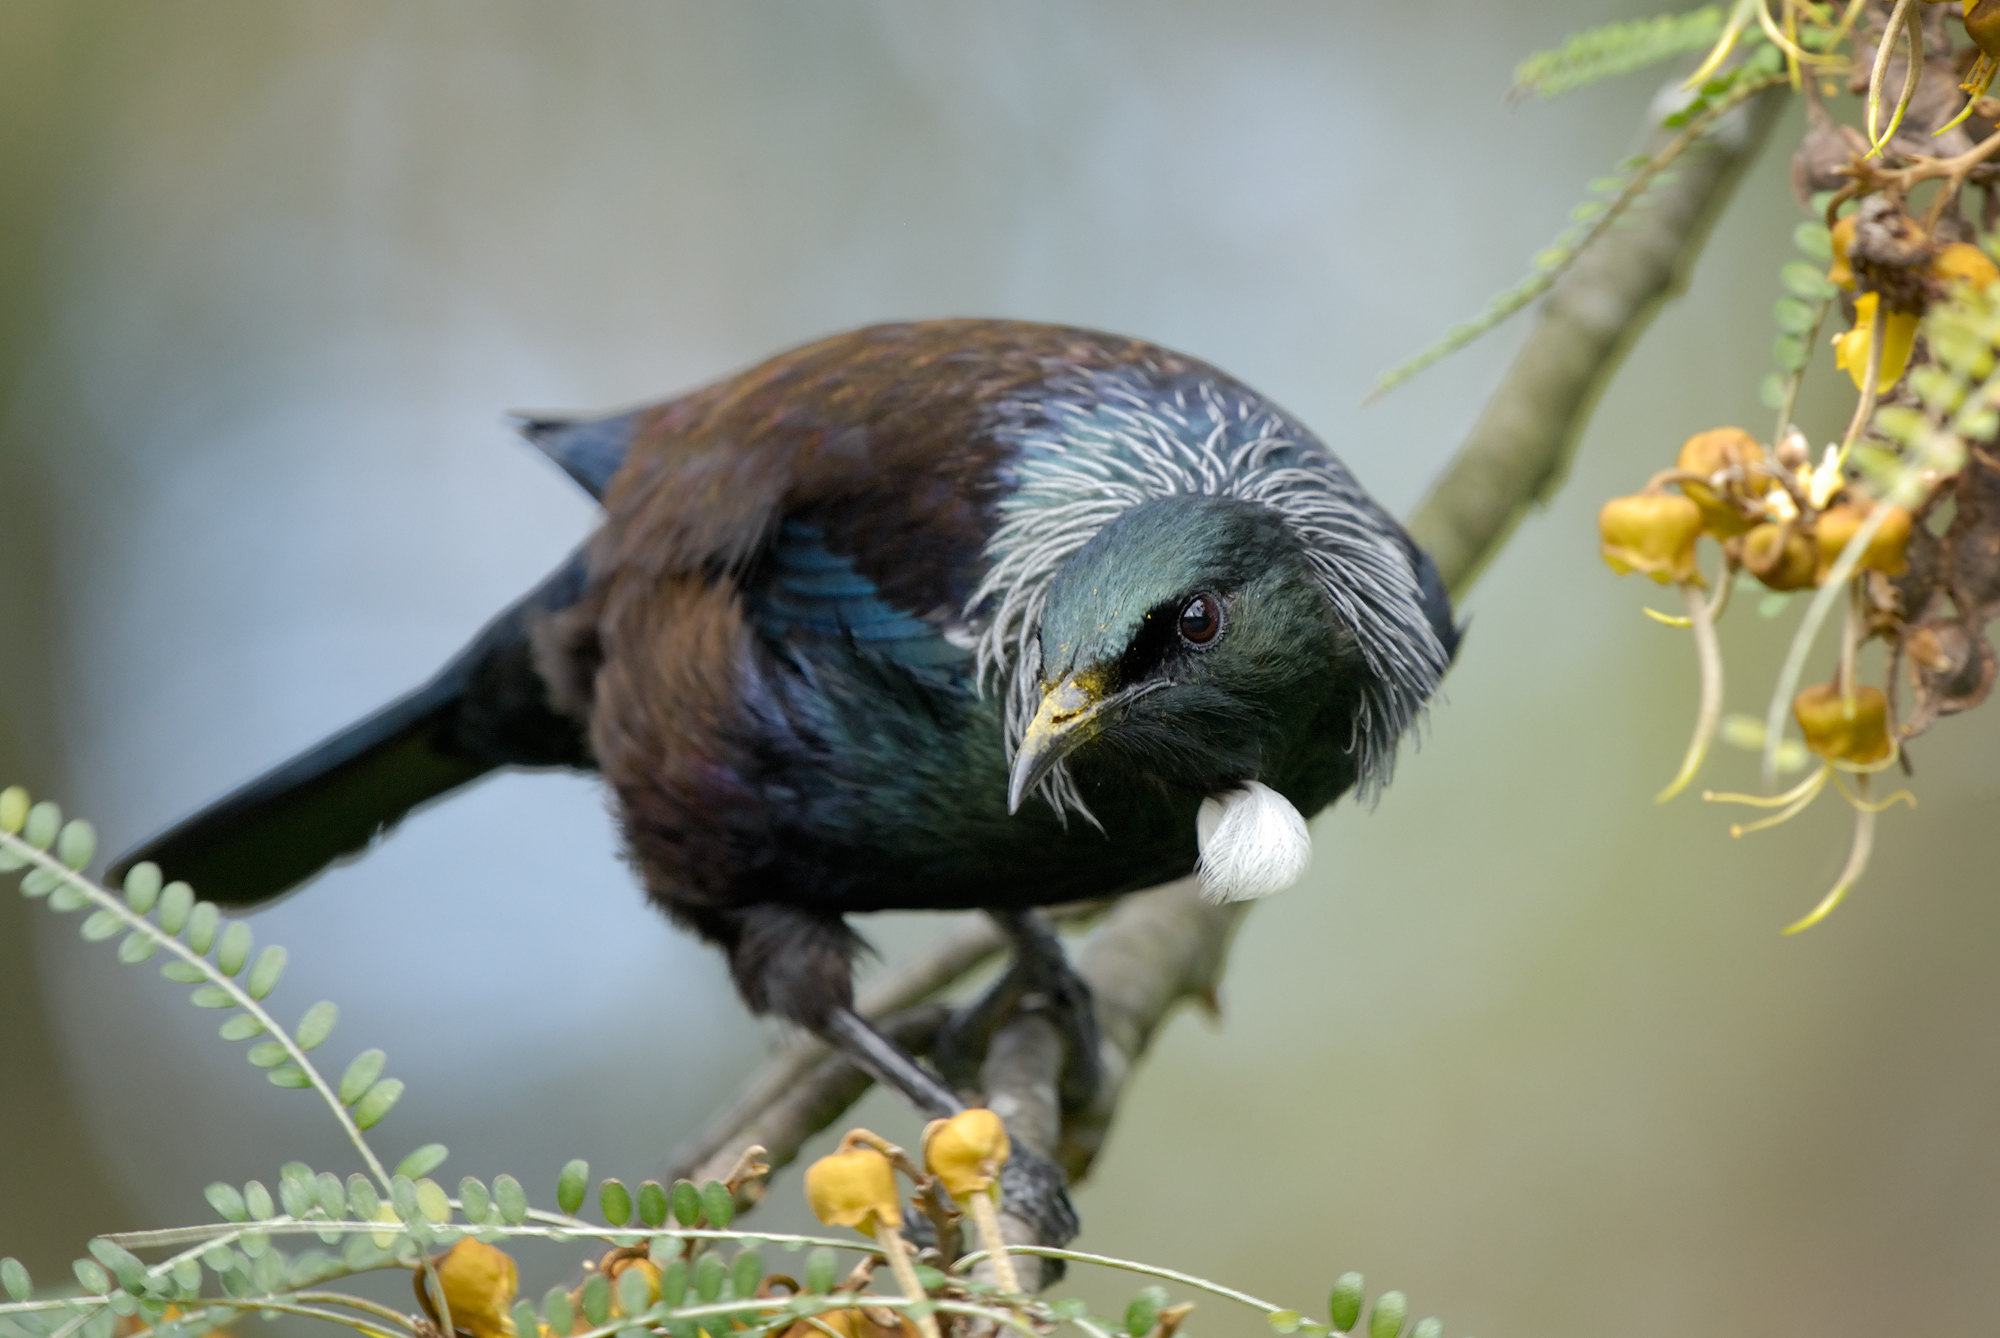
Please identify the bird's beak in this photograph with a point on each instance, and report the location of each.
(1070, 714)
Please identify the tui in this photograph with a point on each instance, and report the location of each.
(954, 614)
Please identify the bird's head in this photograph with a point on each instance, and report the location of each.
(1190, 645)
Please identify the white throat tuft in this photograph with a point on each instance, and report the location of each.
(1253, 843)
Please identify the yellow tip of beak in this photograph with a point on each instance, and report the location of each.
(1065, 719)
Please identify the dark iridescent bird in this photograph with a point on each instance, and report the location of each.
(958, 614)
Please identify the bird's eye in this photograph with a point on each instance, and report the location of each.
(1201, 620)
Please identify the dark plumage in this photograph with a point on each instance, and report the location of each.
(833, 593)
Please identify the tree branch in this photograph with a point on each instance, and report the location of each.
(1161, 948)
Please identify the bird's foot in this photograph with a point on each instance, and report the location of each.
(1039, 980)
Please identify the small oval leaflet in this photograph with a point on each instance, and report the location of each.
(331, 1193)
(92, 1275)
(570, 1186)
(137, 947)
(422, 1161)
(264, 975)
(1344, 1305)
(1281, 1321)
(513, 1203)
(227, 1201)
(556, 1305)
(708, 1275)
(101, 925)
(67, 896)
(241, 1027)
(687, 1203)
(142, 886)
(13, 1274)
(268, 1054)
(718, 1205)
(176, 903)
(746, 1271)
(433, 1202)
(1431, 1327)
(615, 1202)
(39, 883)
(820, 1265)
(524, 1318)
(257, 1200)
(652, 1203)
(1386, 1319)
(13, 813)
(44, 819)
(234, 951)
(360, 1075)
(362, 1197)
(203, 921)
(76, 845)
(212, 996)
(291, 1075)
(633, 1298)
(597, 1299)
(376, 1102)
(316, 1025)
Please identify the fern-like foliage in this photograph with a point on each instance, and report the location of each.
(200, 1278)
(1614, 49)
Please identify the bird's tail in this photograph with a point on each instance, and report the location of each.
(488, 708)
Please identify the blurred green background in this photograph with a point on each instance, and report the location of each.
(1524, 1045)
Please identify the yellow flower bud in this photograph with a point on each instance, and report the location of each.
(1899, 333)
(966, 1151)
(1841, 272)
(1961, 262)
(1885, 552)
(855, 1188)
(1854, 729)
(1795, 566)
(1653, 533)
(1710, 452)
(479, 1284)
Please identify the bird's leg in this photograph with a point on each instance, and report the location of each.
(1039, 980)
(889, 1064)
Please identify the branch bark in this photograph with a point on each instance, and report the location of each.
(1161, 948)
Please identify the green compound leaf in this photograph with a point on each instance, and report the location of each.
(202, 924)
(615, 1202)
(268, 1054)
(234, 951)
(241, 1028)
(376, 1102)
(44, 820)
(512, 1201)
(1386, 1319)
(423, 1160)
(687, 1203)
(76, 845)
(138, 946)
(316, 1026)
(176, 903)
(1615, 49)
(360, 1075)
(293, 1076)
(212, 996)
(653, 1204)
(142, 887)
(14, 803)
(227, 1201)
(570, 1186)
(1344, 1305)
(102, 925)
(718, 1205)
(13, 1275)
(264, 975)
